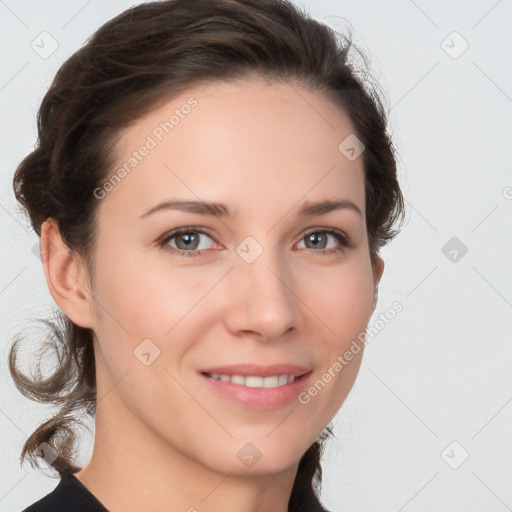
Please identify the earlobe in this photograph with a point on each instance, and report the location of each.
(66, 276)
(379, 269)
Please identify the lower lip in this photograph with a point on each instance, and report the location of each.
(259, 398)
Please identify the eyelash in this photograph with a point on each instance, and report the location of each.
(344, 240)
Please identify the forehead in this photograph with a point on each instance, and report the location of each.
(248, 144)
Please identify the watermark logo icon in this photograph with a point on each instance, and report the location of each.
(454, 455)
(454, 45)
(249, 454)
(249, 249)
(146, 352)
(44, 45)
(454, 249)
(47, 453)
(351, 147)
(44, 255)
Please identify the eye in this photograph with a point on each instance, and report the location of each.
(318, 238)
(187, 240)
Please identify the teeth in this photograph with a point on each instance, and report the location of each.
(253, 381)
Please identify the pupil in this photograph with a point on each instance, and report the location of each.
(314, 238)
(188, 240)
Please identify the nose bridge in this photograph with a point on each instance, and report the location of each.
(263, 298)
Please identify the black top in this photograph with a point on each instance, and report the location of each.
(69, 495)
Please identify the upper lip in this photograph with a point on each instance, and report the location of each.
(258, 370)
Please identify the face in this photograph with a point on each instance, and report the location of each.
(252, 282)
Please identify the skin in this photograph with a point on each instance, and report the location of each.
(163, 439)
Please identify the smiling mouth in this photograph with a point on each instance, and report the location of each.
(276, 388)
(256, 381)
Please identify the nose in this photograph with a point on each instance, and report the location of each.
(263, 302)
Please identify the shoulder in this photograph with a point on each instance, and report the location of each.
(69, 494)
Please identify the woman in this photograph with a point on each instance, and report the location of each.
(212, 184)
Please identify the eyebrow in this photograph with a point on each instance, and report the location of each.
(222, 210)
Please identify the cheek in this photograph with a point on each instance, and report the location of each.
(141, 302)
(142, 309)
(342, 299)
(342, 302)
(144, 300)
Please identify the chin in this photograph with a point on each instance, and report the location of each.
(262, 454)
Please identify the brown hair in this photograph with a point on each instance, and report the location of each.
(148, 53)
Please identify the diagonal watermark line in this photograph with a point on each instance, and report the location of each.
(473, 267)
(418, 492)
(75, 15)
(510, 400)
(423, 217)
(485, 15)
(287, 491)
(407, 295)
(508, 507)
(98, 400)
(12, 280)
(11, 79)
(492, 81)
(297, 202)
(200, 199)
(7, 211)
(403, 403)
(169, 330)
(301, 300)
(83, 289)
(424, 14)
(198, 402)
(207, 84)
(13, 486)
(99, 304)
(415, 85)
(221, 482)
(13, 13)
(290, 84)
(10, 419)
(280, 423)
(484, 218)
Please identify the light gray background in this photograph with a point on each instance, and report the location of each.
(439, 372)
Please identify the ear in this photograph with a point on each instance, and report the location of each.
(378, 269)
(66, 276)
